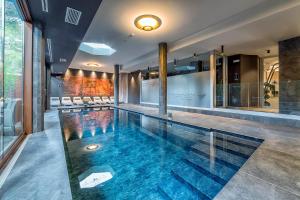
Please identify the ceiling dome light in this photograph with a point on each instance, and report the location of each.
(147, 22)
(92, 65)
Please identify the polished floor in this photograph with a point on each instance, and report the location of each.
(271, 173)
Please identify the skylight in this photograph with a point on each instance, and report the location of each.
(97, 49)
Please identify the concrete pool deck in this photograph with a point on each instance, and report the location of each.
(272, 172)
(40, 171)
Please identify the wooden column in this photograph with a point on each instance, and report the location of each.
(212, 59)
(163, 78)
(28, 78)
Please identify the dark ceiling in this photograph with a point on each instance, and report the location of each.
(65, 37)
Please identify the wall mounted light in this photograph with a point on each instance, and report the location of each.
(80, 72)
(147, 22)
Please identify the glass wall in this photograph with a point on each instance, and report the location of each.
(12, 72)
(188, 83)
(271, 83)
(252, 82)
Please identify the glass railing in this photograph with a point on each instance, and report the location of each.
(282, 97)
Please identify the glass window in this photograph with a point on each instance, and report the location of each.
(1, 76)
(12, 74)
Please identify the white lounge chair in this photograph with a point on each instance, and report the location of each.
(112, 100)
(76, 110)
(54, 101)
(66, 101)
(88, 100)
(66, 111)
(106, 100)
(78, 101)
(98, 100)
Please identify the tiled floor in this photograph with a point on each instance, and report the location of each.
(40, 172)
(273, 171)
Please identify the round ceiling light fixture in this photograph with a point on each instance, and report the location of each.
(93, 65)
(147, 22)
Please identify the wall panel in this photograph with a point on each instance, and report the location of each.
(189, 90)
(82, 83)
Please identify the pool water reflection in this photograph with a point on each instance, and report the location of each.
(139, 157)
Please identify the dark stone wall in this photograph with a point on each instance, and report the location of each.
(56, 87)
(289, 76)
(134, 83)
(38, 79)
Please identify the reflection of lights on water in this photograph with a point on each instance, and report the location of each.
(92, 147)
(212, 150)
(93, 132)
(67, 134)
(104, 130)
(95, 179)
(79, 133)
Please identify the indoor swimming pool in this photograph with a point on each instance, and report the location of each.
(116, 154)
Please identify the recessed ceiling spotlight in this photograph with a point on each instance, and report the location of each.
(131, 35)
(93, 65)
(92, 147)
(97, 49)
(147, 22)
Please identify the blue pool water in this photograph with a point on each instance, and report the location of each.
(139, 157)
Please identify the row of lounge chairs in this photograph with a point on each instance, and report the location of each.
(78, 101)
